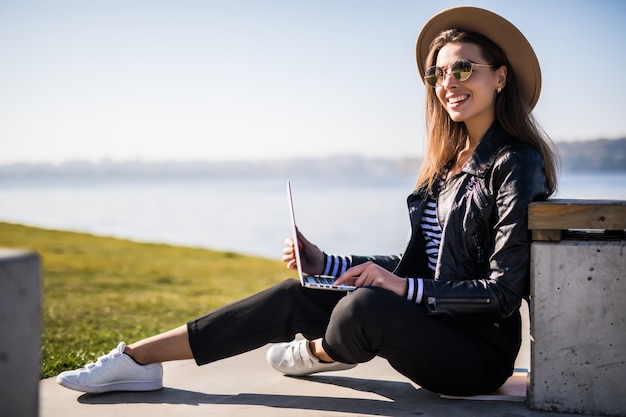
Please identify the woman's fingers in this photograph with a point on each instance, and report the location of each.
(351, 276)
(371, 275)
(289, 256)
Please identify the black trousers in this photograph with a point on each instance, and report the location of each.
(458, 357)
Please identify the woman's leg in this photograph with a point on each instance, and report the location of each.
(276, 314)
(273, 315)
(438, 354)
(169, 346)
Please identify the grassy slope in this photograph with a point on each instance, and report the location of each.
(98, 291)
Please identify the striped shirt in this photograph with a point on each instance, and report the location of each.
(335, 265)
(431, 231)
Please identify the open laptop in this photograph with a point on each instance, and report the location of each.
(310, 281)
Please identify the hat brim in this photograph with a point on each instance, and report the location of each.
(516, 47)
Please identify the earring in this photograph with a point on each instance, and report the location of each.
(499, 90)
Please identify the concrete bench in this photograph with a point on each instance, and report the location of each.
(578, 307)
(20, 332)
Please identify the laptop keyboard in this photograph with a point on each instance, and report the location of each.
(324, 280)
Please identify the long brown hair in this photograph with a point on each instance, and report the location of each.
(446, 138)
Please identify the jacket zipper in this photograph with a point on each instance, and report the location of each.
(479, 249)
(435, 301)
(432, 302)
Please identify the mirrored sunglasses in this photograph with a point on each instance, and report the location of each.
(461, 70)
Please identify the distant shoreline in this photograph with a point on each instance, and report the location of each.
(594, 155)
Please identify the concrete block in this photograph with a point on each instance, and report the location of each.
(578, 327)
(20, 330)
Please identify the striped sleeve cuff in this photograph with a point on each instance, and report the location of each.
(335, 265)
(415, 289)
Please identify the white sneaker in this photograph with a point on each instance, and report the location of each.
(115, 371)
(295, 359)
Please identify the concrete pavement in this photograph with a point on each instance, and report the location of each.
(246, 385)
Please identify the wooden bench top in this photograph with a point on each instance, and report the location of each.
(549, 220)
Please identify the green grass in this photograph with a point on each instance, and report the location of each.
(98, 291)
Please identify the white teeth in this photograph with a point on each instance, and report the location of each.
(456, 99)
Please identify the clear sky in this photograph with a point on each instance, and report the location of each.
(241, 79)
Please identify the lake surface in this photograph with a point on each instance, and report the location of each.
(343, 216)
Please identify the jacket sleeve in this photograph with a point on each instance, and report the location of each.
(517, 180)
(389, 262)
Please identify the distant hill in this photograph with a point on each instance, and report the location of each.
(593, 155)
(334, 166)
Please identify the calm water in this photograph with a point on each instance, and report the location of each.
(346, 216)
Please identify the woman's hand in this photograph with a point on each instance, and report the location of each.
(371, 275)
(311, 256)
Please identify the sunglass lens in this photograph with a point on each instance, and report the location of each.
(461, 69)
(432, 76)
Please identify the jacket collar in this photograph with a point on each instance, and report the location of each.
(484, 156)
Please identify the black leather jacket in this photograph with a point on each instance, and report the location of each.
(484, 258)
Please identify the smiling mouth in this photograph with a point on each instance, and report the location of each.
(458, 99)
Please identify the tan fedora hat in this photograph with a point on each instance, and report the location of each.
(514, 44)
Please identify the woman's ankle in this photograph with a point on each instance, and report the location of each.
(316, 348)
(131, 353)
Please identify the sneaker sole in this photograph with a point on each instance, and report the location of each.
(113, 386)
(335, 367)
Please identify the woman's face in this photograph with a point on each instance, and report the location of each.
(470, 101)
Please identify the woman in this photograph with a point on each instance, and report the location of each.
(446, 313)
